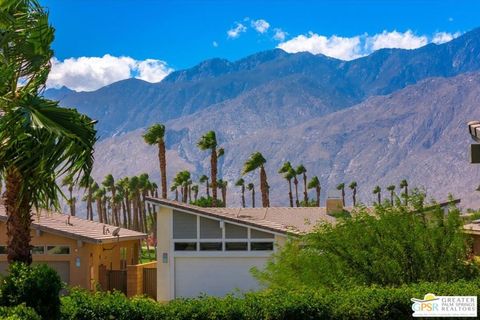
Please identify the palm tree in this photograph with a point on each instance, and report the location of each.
(286, 170)
(40, 141)
(303, 171)
(134, 186)
(99, 194)
(121, 193)
(195, 192)
(241, 183)
(125, 187)
(257, 161)
(156, 135)
(391, 188)
(354, 186)
(182, 180)
(251, 187)
(222, 184)
(174, 187)
(404, 185)
(378, 191)
(87, 184)
(109, 183)
(68, 182)
(341, 187)
(209, 142)
(315, 184)
(204, 179)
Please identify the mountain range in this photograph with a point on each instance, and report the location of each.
(378, 119)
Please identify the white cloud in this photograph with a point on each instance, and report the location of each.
(279, 35)
(215, 44)
(91, 73)
(260, 25)
(442, 37)
(334, 46)
(236, 31)
(450, 19)
(348, 48)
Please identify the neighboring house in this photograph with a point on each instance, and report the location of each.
(81, 251)
(211, 250)
(473, 229)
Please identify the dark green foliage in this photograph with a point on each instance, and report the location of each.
(20, 312)
(355, 303)
(37, 286)
(207, 202)
(341, 214)
(391, 246)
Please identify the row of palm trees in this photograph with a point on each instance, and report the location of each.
(391, 188)
(290, 174)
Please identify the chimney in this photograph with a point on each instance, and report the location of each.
(334, 201)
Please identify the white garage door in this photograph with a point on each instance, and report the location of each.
(214, 276)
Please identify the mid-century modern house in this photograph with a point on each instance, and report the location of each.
(211, 250)
(81, 251)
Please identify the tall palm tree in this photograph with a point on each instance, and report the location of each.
(68, 182)
(109, 183)
(144, 188)
(241, 183)
(174, 188)
(257, 161)
(195, 192)
(125, 187)
(182, 180)
(378, 191)
(222, 184)
(251, 187)
(286, 169)
(204, 179)
(134, 187)
(209, 142)
(121, 193)
(99, 194)
(40, 141)
(391, 188)
(156, 135)
(87, 184)
(315, 184)
(341, 187)
(301, 170)
(404, 185)
(353, 186)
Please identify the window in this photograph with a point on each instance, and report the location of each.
(210, 246)
(233, 231)
(58, 250)
(256, 234)
(210, 229)
(236, 246)
(261, 246)
(38, 250)
(185, 246)
(3, 250)
(184, 225)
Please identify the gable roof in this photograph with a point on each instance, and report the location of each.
(77, 228)
(276, 219)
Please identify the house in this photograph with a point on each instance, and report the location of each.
(211, 250)
(473, 229)
(83, 252)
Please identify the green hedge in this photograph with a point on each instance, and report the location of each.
(20, 312)
(359, 303)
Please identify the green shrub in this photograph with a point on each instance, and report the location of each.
(207, 202)
(37, 286)
(20, 312)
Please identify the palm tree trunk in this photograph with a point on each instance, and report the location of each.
(195, 195)
(135, 213)
(253, 198)
(71, 203)
(89, 203)
(99, 210)
(224, 196)
(343, 197)
(295, 182)
(305, 192)
(176, 194)
(379, 198)
(163, 167)
(124, 211)
(264, 187)
(391, 198)
(213, 163)
(354, 197)
(290, 194)
(243, 196)
(189, 193)
(318, 189)
(19, 220)
(208, 189)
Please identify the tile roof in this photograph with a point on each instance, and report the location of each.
(77, 228)
(276, 219)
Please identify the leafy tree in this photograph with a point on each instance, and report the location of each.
(40, 140)
(341, 187)
(378, 191)
(391, 188)
(241, 183)
(257, 161)
(209, 142)
(207, 202)
(391, 246)
(288, 174)
(353, 186)
(301, 170)
(315, 184)
(156, 135)
(251, 187)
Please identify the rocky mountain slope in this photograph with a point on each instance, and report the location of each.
(417, 133)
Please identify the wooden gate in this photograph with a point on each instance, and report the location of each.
(150, 282)
(117, 280)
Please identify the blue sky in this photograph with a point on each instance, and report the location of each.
(171, 35)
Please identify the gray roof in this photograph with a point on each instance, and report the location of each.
(77, 228)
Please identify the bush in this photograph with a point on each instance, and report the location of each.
(37, 286)
(20, 312)
(207, 202)
(362, 302)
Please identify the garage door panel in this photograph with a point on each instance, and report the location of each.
(214, 276)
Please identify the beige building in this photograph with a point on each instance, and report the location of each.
(83, 252)
(211, 250)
